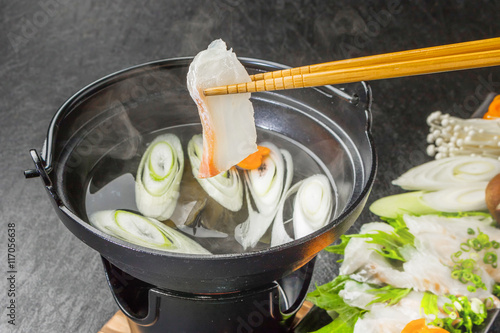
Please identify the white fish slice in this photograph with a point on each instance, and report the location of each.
(229, 133)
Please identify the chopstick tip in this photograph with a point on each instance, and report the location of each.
(214, 91)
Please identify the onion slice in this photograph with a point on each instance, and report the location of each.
(159, 176)
(458, 199)
(267, 186)
(452, 171)
(311, 210)
(226, 188)
(313, 205)
(144, 231)
(279, 235)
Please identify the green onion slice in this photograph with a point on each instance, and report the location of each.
(144, 231)
(267, 186)
(226, 188)
(449, 172)
(159, 176)
(313, 205)
(490, 258)
(311, 211)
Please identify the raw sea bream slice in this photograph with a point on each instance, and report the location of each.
(381, 316)
(427, 267)
(229, 133)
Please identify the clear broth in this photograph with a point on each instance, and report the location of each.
(111, 186)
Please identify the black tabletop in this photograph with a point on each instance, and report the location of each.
(52, 48)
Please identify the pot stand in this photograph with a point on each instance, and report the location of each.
(149, 309)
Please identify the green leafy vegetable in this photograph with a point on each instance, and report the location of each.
(389, 295)
(391, 242)
(333, 327)
(462, 313)
(338, 325)
(396, 222)
(429, 304)
(324, 295)
(339, 248)
(327, 297)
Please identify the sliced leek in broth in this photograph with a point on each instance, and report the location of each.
(236, 211)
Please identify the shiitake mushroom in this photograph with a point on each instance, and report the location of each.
(493, 197)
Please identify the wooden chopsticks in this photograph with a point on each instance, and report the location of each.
(475, 54)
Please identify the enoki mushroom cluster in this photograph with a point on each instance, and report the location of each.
(452, 136)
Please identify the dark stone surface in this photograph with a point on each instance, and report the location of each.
(52, 48)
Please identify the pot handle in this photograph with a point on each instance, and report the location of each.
(294, 288)
(41, 171)
(130, 293)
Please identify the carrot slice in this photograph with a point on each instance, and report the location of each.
(253, 161)
(414, 326)
(419, 326)
(493, 109)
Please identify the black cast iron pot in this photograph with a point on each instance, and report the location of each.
(333, 124)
